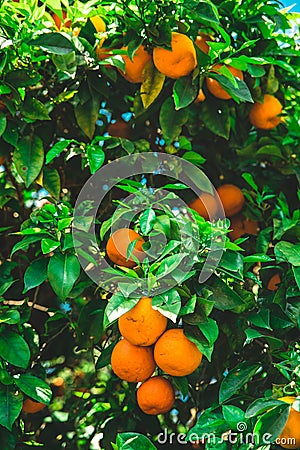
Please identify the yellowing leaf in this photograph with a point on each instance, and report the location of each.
(152, 84)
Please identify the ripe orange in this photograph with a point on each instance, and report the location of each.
(205, 204)
(266, 115)
(273, 282)
(200, 97)
(2, 160)
(120, 129)
(201, 41)
(291, 429)
(132, 363)
(175, 354)
(214, 86)
(240, 225)
(58, 386)
(142, 325)
(179, 61)
(32, 407)
(134, 68)
(232, 199)
(117, 246)
(156, 396)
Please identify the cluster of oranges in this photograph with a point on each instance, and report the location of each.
(145, 344)
(232, 200)
(180, 60)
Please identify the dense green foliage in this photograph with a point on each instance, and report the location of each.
(56, 103)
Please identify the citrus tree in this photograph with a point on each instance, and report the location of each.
(150, 244)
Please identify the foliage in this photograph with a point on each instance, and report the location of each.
(57, 99)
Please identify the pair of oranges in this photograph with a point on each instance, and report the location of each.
(146, 343)
(232, 200)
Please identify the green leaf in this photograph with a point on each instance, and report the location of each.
(11, 317)
(66, 62)
(24, 244)
(22, 78)
(152, 84)
(55, 43)
(286, 251)
(57, 149)
(35, 274)
(90, 329)
(49, 245)
(7, 439)
(116, 307)
(239, 93)
(261, 405)
(171, 121)
(33, 109)
(95, 156)
(184, 91)
(269, 151)
(224, 297)
(3, 123)
(34, 387)
(254, 334)
(29, 158)
(51, 182)
(168, 304)
(134, 441)
(11, 406)
(215, 116)
(272, 423)
(236, 379)
(194, 158)
(14, 349)
(233, 415)
(105, 357)
(207, 11)
(63, 271)
(261, 319)
(147, 220)
(296, 272)
(205, 336)
(87, 114)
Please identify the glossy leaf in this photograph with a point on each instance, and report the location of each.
(14, 349)
(236, 379)
(29, 158)
(63, 271)
(34, 387)
(10, 406)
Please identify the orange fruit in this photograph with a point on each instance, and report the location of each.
(142, 325)
(273, 282)
(179, 61)
(117, 245)
(175, 354)
(240, 225)
(231, 198)
(201, 41)
(214, 86)
(134, 68)
(2, 160)
(58, 386)
(32, 407)
(200, 97)
(205, 204)
(132, 363)
(266, 115)
(120, 129)
(156, 396)
(290, 435)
